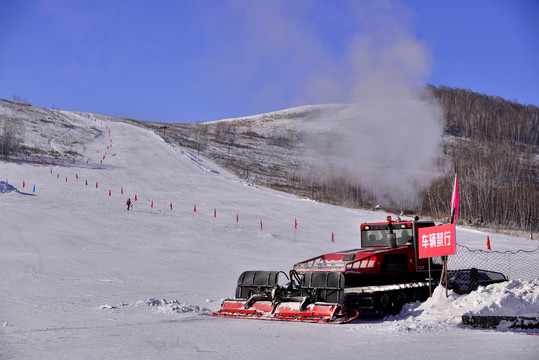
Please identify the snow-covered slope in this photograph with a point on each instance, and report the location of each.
(45, 132)
(83, 278)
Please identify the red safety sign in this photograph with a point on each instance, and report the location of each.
(437, 241)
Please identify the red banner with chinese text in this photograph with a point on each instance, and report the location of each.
(436, 241)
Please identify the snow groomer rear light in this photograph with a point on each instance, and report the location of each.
(363, 264)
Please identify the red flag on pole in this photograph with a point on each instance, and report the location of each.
(170, 206)
(455, 201)
(237, 218)
(488, 243)
(214, 213)
(261, 228)
(135, 197)
(295, 224)
(151, 205)
(195, 208)
(332, 237)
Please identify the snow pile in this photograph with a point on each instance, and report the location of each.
(107, 307)
(513, 298)
(172, 306)
(162, 306)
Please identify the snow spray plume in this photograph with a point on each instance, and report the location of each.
(388, 138)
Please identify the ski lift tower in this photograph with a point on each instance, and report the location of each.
(164, 128)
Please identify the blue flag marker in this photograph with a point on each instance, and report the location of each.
(34, 188)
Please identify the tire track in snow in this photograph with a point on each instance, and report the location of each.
(52, 139)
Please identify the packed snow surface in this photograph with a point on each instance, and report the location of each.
(83, 278)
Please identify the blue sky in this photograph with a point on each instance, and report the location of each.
(194, 61)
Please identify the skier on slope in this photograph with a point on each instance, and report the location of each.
(128, 203)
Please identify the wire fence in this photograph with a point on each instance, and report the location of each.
(521, 264)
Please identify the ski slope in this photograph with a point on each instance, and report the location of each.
(83, 278)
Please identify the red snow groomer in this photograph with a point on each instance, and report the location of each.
(381, 276)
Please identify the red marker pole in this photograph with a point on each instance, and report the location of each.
(295, 228)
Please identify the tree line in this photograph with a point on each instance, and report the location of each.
(495, 156)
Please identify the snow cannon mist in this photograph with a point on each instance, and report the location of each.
(389, 149)
(384, 132)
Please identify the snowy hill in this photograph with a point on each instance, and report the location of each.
(83, 278)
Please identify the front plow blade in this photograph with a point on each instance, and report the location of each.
(286, 311)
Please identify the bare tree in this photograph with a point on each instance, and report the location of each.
(20, 99)
(9, 140)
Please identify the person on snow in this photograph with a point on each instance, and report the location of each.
(128, 202)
